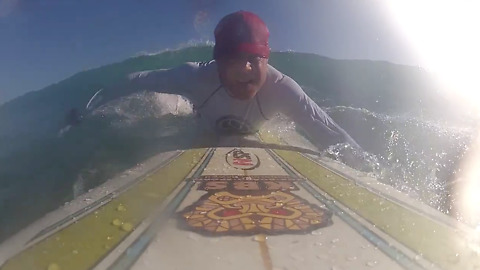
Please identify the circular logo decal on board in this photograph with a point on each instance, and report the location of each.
(242, 159)
(232, 124)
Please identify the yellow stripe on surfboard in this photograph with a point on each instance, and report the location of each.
(82, 244)
(435, 241)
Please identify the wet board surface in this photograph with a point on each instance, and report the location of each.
(242, 208)
(246, 211)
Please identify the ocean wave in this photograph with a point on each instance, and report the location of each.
(419, 157)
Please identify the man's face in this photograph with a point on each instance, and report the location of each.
(243, 74)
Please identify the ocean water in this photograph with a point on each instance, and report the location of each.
(414, 137)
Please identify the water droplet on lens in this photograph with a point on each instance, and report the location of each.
(192, 236)
(127, 227)
(297, 257)
(365, 246)
(260, 238)
(455, 258)
(53, 266)
(214, 240)
(117, 222)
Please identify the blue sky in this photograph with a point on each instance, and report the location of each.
(45, 41)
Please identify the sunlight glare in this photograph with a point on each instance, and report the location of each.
(445, 35)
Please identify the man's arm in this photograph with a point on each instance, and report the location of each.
(171, 81)
(320, 127)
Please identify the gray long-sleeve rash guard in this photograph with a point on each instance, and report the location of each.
(199, 82)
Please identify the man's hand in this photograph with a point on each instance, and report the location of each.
(353, 157)
(73, 117)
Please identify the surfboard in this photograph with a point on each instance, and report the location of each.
(237, 207)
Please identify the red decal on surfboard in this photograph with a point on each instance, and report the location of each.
(242, 159)
(275, 213)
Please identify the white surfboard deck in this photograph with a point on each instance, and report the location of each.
(242, 208)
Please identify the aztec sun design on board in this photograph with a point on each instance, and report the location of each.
(245, 205)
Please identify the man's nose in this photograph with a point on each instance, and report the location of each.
(248, 66)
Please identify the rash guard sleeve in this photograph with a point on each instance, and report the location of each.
(176, 80)
(171, 81)
(319, 126)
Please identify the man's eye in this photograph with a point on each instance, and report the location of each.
(237, 59)
(255, 59)
(242, 59)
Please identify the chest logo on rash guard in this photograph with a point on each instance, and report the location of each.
(232, 124)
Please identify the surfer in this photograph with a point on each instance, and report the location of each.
(237, 91)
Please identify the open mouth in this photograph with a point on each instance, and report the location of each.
(245, 81)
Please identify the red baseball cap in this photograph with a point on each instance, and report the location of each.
(241, 31)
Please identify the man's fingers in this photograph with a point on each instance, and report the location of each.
(73, 117)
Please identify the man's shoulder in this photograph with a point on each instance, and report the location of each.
(279, 82)
(196, 72)
(206, 64)
(203, 66)
(204, 71)
(280, 93)
(273, 75)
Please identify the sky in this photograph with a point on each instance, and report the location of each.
(45, 41)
